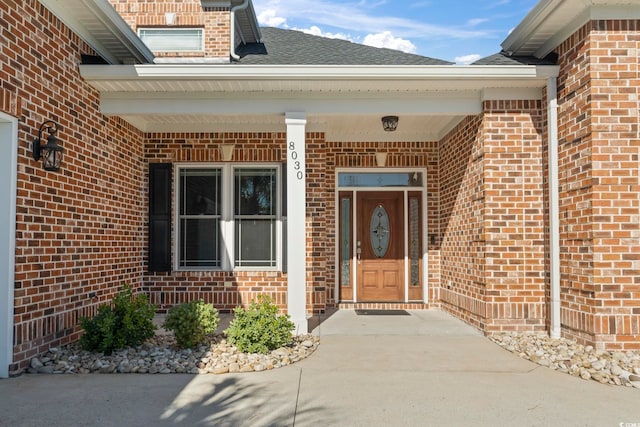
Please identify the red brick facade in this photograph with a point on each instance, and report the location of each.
(79, 232)
(82, 233)
(599, 187)
(492, 218)
(188, 14)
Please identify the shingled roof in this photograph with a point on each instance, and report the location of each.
(290, 47)
(502, 58)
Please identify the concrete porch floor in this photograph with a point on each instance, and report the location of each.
(424, 369)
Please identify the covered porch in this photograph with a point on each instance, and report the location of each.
(470, 151)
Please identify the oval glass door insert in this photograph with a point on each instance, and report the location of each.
(380, 233)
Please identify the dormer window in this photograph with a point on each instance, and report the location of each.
(171, 39)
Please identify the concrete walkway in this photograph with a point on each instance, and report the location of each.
(426, 369)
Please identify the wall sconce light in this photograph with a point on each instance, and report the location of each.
(390, 123)
(50, 152)
(226, 152)
(381, 159)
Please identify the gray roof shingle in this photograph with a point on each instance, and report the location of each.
(290, 47)
(502, 58)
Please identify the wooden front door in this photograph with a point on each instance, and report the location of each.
(380, 246)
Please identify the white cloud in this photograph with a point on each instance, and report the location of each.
(346, 16)
(419, 4)
(476, 21)
(269, 18)
(386, 39)
(316, 31)
(467, 59)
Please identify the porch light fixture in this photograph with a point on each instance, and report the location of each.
(390, 123)
(50, 152)
(226, 152)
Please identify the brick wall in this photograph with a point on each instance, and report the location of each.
(188, 14)
(492, 218)
(514, 215)
(598, 100)
(463, 283)
(228, 289)
(78, 230)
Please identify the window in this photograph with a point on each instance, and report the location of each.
(255, 217)
(199, 217)
(228, 217)
(173, 39)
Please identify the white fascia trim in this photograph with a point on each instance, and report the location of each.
(190, 60)
(113, 22)
(594, 13)
(583, 11)
(563, 34)
(529, 25)
(510, 94)
(276, 72)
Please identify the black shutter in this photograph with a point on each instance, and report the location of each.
(283, 207)
(160, 217)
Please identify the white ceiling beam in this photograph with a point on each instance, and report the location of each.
(112, 105)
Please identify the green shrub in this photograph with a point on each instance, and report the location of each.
(191, 322)
(258, 328)
(127, 321)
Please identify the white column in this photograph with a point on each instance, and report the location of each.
(296, 221)
(8, 180)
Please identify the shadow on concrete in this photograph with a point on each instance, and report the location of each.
(314, 322)
(241, 401)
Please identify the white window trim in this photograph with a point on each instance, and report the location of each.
(227, 228)
(169, 29)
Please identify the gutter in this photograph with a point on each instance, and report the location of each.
(232, 50)
(554, 211)
(311, 72)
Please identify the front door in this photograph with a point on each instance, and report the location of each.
(380, 246)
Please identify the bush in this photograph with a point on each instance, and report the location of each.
(191, 322)
(127, 321)
(259, 329)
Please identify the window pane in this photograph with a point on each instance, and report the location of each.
(172, 39)
(414, 238)
(199, 242)
(255, 243)
(371, 179)
(255, 191)
(201, 190)
(345, 238)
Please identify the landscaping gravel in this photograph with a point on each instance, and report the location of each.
(564, 355)
(161, 356)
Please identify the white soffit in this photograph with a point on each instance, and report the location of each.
(346, 102)
(243, 78)
(551, 22)
(102, 28)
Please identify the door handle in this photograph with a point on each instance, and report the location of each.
(358, 251)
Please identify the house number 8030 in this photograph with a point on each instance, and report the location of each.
(297, 164)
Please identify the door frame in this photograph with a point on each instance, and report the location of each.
(354, 207)
(8, 194)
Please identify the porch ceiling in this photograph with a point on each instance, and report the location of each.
(344, 102)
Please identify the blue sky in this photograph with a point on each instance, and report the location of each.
(455, 30)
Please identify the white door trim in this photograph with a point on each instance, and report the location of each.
(425, 230)
(8, 182)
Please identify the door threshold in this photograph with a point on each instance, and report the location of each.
(382, 306)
